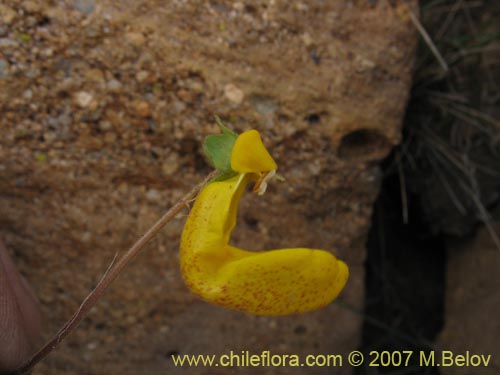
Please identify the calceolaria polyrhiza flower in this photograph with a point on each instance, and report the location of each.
(274, 282)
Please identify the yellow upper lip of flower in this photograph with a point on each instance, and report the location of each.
(249, 155)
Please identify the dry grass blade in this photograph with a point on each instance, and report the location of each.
(449, 19)
(451, 193)
(402, 185)
(427, 39)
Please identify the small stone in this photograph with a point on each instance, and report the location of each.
(238, 6)
(363, 64)
(48, 52)
(92, 31)
(28, 94)
(185, 95)
(170, 165)
(142, 76)
(123, 188)
(306, 39)
(164, 329)
(142, 109)
(53, 121)
(109, 137)
(137, 39)
(33, 73)
(7, 14)
(83, 99)
(314, 168)
(178, 106)
(8, 43)
(86, 237)
(114, 85)
(84, 6)
(4, 66)
(95, 75)
(32, 6)
(131, 319)
(153, 195)
(195, 85)
(301, 7)
(264, 105)
(104, 125)
(233, 93)
(64, 119)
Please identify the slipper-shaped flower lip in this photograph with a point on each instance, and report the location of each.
(274, 282)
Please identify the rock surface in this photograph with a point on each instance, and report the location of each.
(473, 282)
(104, 107)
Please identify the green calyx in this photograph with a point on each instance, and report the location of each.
(218, 147)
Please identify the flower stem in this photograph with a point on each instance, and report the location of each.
(111, 274)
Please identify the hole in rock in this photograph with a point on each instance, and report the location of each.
(363, 143)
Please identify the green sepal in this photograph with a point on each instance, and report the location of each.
(218, 147)
(223, 128)
(225, 176)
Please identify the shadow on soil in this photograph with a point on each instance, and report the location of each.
(405, 281)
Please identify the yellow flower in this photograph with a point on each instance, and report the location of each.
(274, 282)
(249, 154)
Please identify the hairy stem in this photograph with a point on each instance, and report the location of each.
(111, 274)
